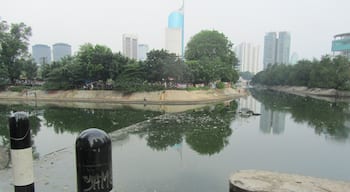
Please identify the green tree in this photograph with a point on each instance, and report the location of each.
(30, 69)
(14, 47)
(210, 57)
(3, 76)
(329, 73)
(96, 61)
(161, 65)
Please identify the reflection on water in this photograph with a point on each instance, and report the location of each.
(272, 121)
(206, 130)
(328, 118)
(56, 127)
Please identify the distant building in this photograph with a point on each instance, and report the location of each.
(294, 58)
(130, 43)
(341, 44)
(174, 35)
(283, 48)
(248, 56)
(270, 45)
(61, 50)
(142, 52)
(276, 49)
(41, 54)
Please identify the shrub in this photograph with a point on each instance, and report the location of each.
(220, 85)
(57, 86)
(17, 88)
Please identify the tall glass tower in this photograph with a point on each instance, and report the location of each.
(276, 49)
(175, 31)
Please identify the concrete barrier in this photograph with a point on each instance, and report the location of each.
(258, 181)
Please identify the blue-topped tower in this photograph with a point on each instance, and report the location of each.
(175, 31)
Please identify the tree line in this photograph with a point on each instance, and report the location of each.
(208, 58)
(329, 72)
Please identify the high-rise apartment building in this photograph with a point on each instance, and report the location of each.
(248, 56)
(61, 50)
(142, 52)
(41, 54)
(276, 49)
(130, 46)
(174, 35)
(283, 48)
(270, 44)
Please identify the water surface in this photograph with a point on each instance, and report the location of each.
(197, 150)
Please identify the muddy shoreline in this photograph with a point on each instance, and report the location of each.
(331, 95)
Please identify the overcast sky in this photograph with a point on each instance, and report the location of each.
(312, 23)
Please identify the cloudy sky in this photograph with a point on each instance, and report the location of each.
(312, 23)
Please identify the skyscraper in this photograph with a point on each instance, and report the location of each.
(270, 44)
(174, 37)
(130, 46)
(142, 52)
(41, 53)
(248, 56)
(61, 50)
(283, 48)
(276, 50)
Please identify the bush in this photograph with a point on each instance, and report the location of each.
(220, 85)
(57, 86)
(18, 88)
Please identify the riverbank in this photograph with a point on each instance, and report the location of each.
(156, 97)
(318, 93)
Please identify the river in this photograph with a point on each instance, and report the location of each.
(198, 149)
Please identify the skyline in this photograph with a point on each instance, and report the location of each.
(312, 24)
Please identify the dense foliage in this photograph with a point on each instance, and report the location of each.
(210, 57)
(327, 73)
(96, 65)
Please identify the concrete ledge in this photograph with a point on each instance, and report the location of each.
(265, 181)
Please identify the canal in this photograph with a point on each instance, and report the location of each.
(198, 149)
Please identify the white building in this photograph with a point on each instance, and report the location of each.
(248, 56)
(130, 46)
(173, 40)
(142, 52)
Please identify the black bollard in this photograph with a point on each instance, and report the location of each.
(94, 161)
(21, 152)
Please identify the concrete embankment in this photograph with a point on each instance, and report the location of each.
(156, 97)
(258, 181)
